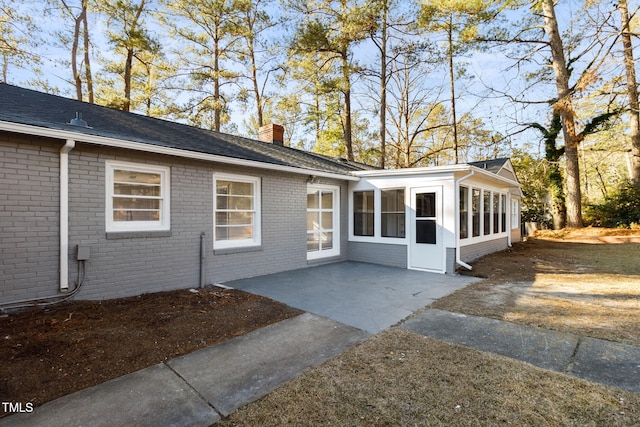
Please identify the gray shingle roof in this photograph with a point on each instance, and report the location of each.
(494, 165)
(28, 107)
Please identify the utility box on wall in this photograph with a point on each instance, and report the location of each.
(83, 253)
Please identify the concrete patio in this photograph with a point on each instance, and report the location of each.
(370, 297)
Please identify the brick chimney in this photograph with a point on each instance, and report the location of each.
(272, 134)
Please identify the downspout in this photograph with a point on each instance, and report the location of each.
(457, 236)
(64, 214)
(507, 211)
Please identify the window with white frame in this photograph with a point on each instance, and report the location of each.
(496, 213)
(464, 212)
(503, 212)
(475, 212)
(137, 197)
(392, 213)
(515, 206)
(236, 207)
(486, 212)
(482, 213)
(363, 213)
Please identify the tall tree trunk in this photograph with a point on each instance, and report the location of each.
(126, 106)
(632, 88)
(256, 88)
(557, 202)
(347, 105)
(452, 87)
(5, 67)
(87, 61)
(383, 86)
(217, 116)
(77, 79)
(564, 109)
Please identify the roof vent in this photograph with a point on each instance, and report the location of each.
(78, 121)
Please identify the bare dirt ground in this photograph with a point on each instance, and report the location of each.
(48, 353)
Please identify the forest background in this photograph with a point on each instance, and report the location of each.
(391, 83)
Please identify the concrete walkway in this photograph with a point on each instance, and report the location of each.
(198, 388)
(591, 359)
(366, 296)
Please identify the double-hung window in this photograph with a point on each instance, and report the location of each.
(486, 210)
(137, 197)
(236, 206)
(363, 213)
(503, 212)
(392, 213)
(515, 208)
(475, 212)
(464, 212)
(496, 213)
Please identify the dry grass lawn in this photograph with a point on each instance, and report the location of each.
(571, 282)
(575, 283)
(401, 379)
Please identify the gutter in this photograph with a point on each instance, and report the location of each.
(64, 214)
(158, 149)
(457, 203)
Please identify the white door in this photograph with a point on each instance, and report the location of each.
(426, 249)
(323, 221)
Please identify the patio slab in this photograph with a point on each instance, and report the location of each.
(370, 297)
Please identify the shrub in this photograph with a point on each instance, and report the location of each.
(620, 209)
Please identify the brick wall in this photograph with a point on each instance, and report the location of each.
(474, 251)
(379, 253)
(29, 218)
(123, 264)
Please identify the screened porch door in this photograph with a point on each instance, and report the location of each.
(426, 249)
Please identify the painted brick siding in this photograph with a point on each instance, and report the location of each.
(474, 251)
(124, 264)
(29, 219)
(379, 253)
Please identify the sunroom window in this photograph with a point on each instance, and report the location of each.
(393, 213)
(464, 212)
(363, 213)
(475, 208)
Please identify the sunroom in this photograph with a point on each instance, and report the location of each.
(434, 219)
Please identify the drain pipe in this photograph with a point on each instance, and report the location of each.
(457, 201)
(64, 214)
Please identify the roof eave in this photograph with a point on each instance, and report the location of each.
(436, 169)
(176, 152)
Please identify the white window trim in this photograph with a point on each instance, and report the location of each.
(165, 206)
(257, 208)
(377, 217)
(335, 250)
(515, 214)
(470, 239)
